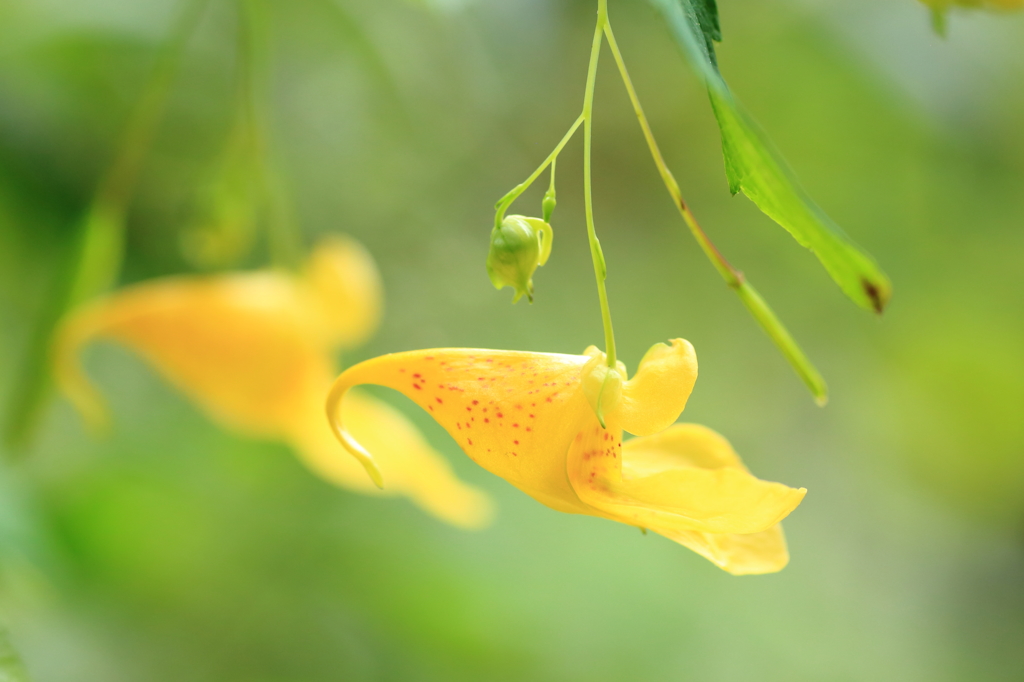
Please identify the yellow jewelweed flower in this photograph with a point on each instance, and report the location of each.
(531, 418)
(256, 352)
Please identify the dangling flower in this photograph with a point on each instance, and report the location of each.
(532, 418)
(255, 351)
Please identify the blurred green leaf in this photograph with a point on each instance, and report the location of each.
(758, 170)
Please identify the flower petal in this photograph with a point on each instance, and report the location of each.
(655, 397)
(240, 346)
(514, 413)
(683, 479)
(411, 466)
(345, 287)
(753, 554)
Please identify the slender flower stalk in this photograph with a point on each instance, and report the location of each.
(734, 279)
(514, 194)
(283, 235)
(596, 254)
(586, 119)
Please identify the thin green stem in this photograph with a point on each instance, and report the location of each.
(600, 267)
(283, 234)
(733, 277)
(507, 200)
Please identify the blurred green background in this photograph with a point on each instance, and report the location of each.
(174, 551)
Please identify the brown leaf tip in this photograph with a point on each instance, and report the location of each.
(874, 294)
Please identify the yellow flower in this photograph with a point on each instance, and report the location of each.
(255, 351)
(531, 418)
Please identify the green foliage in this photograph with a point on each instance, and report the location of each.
(756, 169)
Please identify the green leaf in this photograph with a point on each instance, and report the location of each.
(754, 167)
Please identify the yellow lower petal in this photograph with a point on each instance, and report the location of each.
(687, 484)
(410, 465)
(754, 554)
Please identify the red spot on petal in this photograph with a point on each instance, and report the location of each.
(469, 440)
(515, 442)
(487, 421)
(500, 415)
(417, 387)
(429, 357)
(528, 428)
(417, 375)
(476, 402)
(515, 426)
(439, 401)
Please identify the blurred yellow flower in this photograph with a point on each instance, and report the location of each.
(532, 418)
(256, 352)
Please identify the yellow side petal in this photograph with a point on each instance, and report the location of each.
(240, 346)
(514, 413)
(410, 465)
(753, 554)
(345, 287)
(654, 398)
(683, 496)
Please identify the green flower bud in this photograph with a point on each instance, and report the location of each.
(548, 205)
(518, 247)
